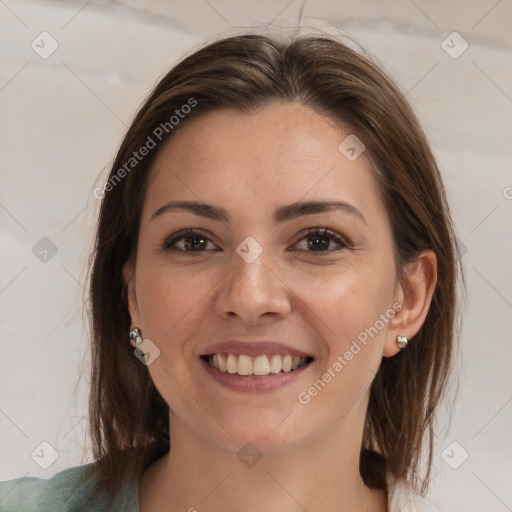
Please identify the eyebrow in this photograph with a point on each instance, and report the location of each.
(281, 214)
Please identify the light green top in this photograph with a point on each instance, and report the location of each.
(71, 491)
(68, 491)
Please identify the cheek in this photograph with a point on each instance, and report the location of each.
(168, 297)
(349, 312)
(349, 302)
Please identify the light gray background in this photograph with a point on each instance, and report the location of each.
(64, 116)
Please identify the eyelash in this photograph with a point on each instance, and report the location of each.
(169, 244)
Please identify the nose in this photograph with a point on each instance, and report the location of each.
(253, 291)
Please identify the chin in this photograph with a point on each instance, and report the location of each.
(269, 437)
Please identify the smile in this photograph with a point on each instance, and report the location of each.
(243, 364)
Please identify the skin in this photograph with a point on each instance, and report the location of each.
(314, 301)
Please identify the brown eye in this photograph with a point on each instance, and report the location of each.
(189, 241)
(319, 239)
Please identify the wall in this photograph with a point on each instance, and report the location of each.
(64, 113)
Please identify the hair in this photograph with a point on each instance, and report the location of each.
(129, 420)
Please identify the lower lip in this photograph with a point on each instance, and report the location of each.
(254, 383)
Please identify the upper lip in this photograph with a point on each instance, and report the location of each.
(253, 348)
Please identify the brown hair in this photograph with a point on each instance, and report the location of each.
(128, 418)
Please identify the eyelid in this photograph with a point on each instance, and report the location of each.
(179, 235)
(338, 238)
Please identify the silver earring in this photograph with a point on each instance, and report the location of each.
(135, 337)
(401, 342)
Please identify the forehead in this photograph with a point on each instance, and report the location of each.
(280, 154)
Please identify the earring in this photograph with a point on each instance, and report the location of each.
(401, 342)
(135, 337)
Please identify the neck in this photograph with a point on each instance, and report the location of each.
(320, 476)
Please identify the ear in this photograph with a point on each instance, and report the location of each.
(414, 292)
(129, 280)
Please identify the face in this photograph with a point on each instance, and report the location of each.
(315, 285)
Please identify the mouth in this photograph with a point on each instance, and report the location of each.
(263, 365)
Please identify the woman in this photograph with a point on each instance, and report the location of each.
(273, 293)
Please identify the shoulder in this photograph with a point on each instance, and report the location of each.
(73, 490)
(402, 498)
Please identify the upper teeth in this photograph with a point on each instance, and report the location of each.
(260, 365)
